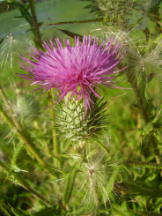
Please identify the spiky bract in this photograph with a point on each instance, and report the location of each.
(77, 125)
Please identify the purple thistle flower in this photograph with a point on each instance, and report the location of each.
(77, 69)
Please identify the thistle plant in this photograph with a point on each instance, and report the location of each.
(111, 11)
(76, 72)
(73, 141)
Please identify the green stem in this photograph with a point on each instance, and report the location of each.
(103, 146)
(35, 25)
(23, 136)
(29, 146)
(112, 180)
(56, 149)
(74, 22)
(8, 106)
(145, 108)
(69, 186)
(143, 104)
(4, 211)
(16, 153)
(141, 189)
(144, 165)
(23, 183)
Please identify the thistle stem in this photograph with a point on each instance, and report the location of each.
(4, 211)
(23, 183)
(56, 149)
(25, 138)
(35, 25)
(144, 165)
(143, 104)
(146, 112)
(8, 106)
(74, 22)
(112, 180)
(29, 146)
(21, 132)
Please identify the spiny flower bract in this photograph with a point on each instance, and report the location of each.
(75, 124)
(77, 69)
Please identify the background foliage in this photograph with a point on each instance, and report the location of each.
(45, 173)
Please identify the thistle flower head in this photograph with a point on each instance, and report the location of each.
(77, 69)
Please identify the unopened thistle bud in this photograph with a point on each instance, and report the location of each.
(76, 124)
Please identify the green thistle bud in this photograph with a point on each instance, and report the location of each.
(76, 124)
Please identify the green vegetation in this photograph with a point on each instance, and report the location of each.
(53, 160)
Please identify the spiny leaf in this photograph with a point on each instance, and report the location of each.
(71, 34)
(54, 211)
(74, 22)
(1, 40)
(69, 185)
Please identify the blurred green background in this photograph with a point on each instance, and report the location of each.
(16, 32)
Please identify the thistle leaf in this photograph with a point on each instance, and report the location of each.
(69, 185)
